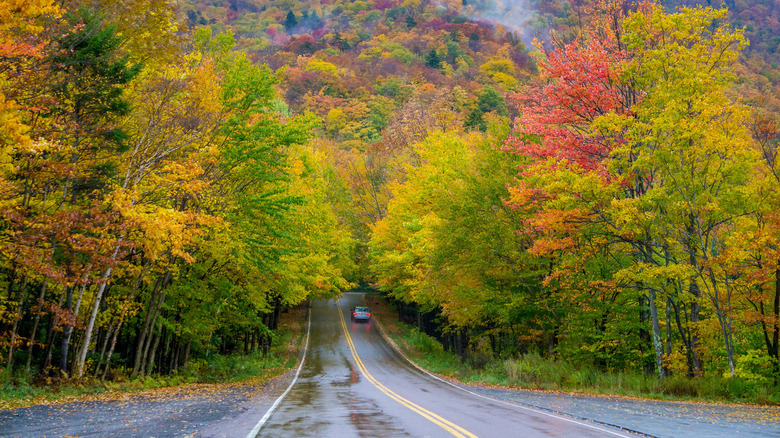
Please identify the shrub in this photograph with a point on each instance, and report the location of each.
(680, 386)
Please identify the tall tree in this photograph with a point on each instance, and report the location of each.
(656, 173)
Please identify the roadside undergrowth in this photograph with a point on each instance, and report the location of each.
(534, 372)
(202, 375)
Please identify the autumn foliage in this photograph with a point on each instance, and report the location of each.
(631, 234)
(608, 198)
(153, 208)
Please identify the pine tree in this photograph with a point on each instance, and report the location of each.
(290, 21)
(433, 60)
(316, 23)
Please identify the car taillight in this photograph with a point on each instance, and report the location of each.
(368, 314)
(354, 313)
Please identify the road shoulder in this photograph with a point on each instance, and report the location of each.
(640, 416)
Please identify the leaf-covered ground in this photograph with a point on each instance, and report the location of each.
(210, 409)
(173, 411)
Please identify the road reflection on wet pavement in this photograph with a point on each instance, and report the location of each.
(334, 399)
(327, 400)
(372, 391)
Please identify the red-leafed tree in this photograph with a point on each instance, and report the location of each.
(578, 83)
(634, 139)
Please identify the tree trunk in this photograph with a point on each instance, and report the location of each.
(111, 350)
(11, 284)
(175, 356)
(696, 370)
(645, 338)
(77, 308)
(136, 287)
(50, 334)
(91, 325)
(107, 336)
(15, 328)
(116, 334)
(142, 336)
(693, 289)
(685, 335)
(153, 352)
(170, 342)
(277, 311)
(153, 324)
(459, 345)
(552, 340)
(266, 342)
(724, 317)
(772, 347)
(35, 326)
(66, 334)
(668, 328)
(187, 353)
(657, 342)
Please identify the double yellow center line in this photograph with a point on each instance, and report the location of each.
(450, 427)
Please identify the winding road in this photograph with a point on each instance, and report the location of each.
(353, 384)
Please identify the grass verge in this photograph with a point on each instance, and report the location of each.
(533, 372)
(200, 376)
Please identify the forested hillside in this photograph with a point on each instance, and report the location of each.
(157, 205)
(593, 181)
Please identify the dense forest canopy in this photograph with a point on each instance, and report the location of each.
(595, 181)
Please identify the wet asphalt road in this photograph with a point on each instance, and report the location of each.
(181, 412)
(655, 418)
(370, 391)
(356, 385)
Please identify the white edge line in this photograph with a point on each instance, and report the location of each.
(278, 401)
(516, 405)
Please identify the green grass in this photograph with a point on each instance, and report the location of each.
(531, 371)
(20, 390)
(232, 368)
(428, 352)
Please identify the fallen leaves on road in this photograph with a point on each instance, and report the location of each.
(252, 387)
